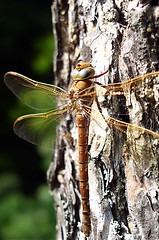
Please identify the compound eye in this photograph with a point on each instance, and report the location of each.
(74, 74)
(84, 73)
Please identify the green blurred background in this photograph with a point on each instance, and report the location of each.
(26, 47)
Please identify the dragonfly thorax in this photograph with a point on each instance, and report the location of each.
(81, 94)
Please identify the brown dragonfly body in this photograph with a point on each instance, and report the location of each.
(83, 126)
(39, 128)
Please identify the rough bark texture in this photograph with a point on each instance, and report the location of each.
(124, 185)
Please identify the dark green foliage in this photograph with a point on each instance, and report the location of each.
(26, 46)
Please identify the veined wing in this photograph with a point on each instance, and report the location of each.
(37, 95)
(137, 137)
(119, 88)
(116, 89)
(127, 86)
(114, 123)
(141, 142)
(40, 128)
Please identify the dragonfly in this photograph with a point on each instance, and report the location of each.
(54, 102)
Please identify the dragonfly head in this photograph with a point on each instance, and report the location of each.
(83, 71)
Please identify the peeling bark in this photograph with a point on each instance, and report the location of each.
(123, 174)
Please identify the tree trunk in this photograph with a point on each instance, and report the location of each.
(123, 174)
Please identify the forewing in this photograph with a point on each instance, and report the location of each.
(119, 88)
(39, 128)
(35, 94)
(126, 86)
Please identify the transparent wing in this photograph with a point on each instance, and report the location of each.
(120, 88)
(144, 142)
(35, 94)
(131, 84)
(39, 128)
(114, 123)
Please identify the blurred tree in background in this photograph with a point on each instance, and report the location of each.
(26, 47)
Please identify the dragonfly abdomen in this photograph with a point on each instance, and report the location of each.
(82, 124)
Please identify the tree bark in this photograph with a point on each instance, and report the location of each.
(123, 174)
